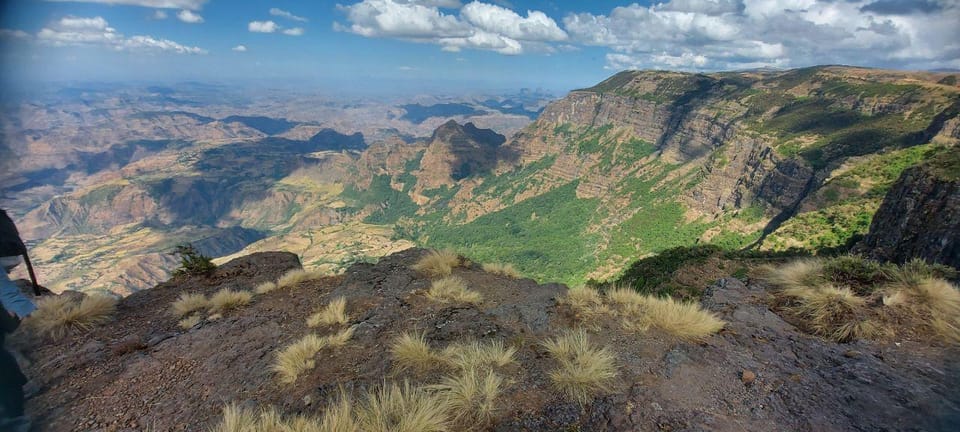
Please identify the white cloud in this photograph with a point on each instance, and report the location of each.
(160, 4)
(240, 48)
(150, 43)
(262, 26)
(159, 14)
(285, 14)
(729, 34)
(13, 34)
(295, 31)
(189, 17)
(449, 4)
(96, 31)
(537, 26)
(479, 25)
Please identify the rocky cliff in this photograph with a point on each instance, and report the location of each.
(920, 216)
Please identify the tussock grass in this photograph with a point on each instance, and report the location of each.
(265, 287)
(339, 416)
(586, 304)
(684, 320)
(848, 297)
(437, 263)
(452, 289)
(189, 322)
(333, 313)
(188, 303)
(478, 356)
(237, 419)
(933, 303)
(341, 338)
(829, 312)
(296, 276)
(298, 357)
(471, 395)
(803, 273)
(225, 300)
(507, 269)
(410, 351)
(240, 419)
(584, 370)
(403, 408)
(57, 316)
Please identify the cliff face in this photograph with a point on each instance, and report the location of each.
(456, 152)
(920, 216)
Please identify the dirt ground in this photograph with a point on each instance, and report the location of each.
(142, 372)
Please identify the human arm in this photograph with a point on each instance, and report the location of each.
(13, 300)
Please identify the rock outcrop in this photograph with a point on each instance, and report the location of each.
(920, 216)
(456, 152)
(144, 372)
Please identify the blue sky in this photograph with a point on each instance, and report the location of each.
(493, 43)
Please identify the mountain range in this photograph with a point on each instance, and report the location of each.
(644, 161)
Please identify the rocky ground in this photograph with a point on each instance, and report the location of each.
(142, 372)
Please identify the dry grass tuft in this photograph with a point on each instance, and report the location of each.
(804, 273)
(403, 408)
(586, 304)
(339, 417)
(265, 287)
(188, 303)
(584, 370)
(684, 320)
(410, 351)
(830, 312)
(471, 395)
(189, 322)
(239, 419)
(57, 316)
(225, 300)
(341, 338)
(477, 356)
(296, 276)
(298, 357)
(333, 313)
(934, 303)
(452, 289)
(507, 269)
(437, 263)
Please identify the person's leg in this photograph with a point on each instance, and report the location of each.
(11, 386)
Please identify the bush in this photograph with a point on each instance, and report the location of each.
(192, 262)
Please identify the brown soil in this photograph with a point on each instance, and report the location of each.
(143, 372)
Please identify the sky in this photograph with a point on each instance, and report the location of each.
(551, 44)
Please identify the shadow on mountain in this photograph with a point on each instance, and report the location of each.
(267, 125)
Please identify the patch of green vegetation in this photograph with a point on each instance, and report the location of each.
(882, 170)
(413, 164)
(829, 228)
(946, 164)
(554, 246)
(732, 240)
(752, 214)
(100, 195)
(636, 149)
(841, 88)
(392, 204)
(614, 83)
(507, 185)
(192, 262)
(589, 140)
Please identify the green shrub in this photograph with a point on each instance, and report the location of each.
(192, 262)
